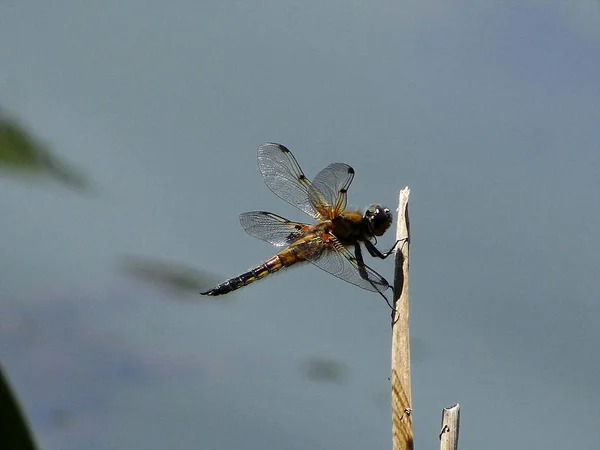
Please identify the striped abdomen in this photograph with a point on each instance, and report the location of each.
(283, 259)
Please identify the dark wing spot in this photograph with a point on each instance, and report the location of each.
(283, 148)
(343, 191)
(301, 177)
(351, 170)
(298, 227)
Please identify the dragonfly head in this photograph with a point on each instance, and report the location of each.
(378, 218)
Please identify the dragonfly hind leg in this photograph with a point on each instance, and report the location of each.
(365, 276)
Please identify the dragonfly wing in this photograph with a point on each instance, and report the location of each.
(338, 261)
(329, 189)
(272, 228)
(284, 177)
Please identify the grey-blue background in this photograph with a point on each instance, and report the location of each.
(489, 111)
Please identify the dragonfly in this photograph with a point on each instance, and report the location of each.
(333, 242)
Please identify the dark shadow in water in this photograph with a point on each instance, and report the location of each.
(324, 370)
(23, 154)
(175, 278)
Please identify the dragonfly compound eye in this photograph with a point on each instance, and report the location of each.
(380, 218)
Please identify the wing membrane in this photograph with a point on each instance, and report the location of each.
(334, 258)
(285, 178)
(328, 193)
(272, 228)
(324, 198)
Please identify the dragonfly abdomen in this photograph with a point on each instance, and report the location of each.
(277, 262)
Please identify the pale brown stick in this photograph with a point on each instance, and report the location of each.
(449, 430)
(402, 433)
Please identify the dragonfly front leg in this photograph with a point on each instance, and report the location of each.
(376, 253)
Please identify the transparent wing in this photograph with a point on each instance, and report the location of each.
(328, 193)
(338, 261)
(272, 228)
(285, 178)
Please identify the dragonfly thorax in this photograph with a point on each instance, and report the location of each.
(378, 219)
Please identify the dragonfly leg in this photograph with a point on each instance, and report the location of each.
(388, 302)
(365, 276)
(376, 253)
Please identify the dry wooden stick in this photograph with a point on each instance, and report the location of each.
(449, 430)
(402, 433)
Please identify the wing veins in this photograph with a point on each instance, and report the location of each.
(284, 177)
(335, 259)
(272, 228)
